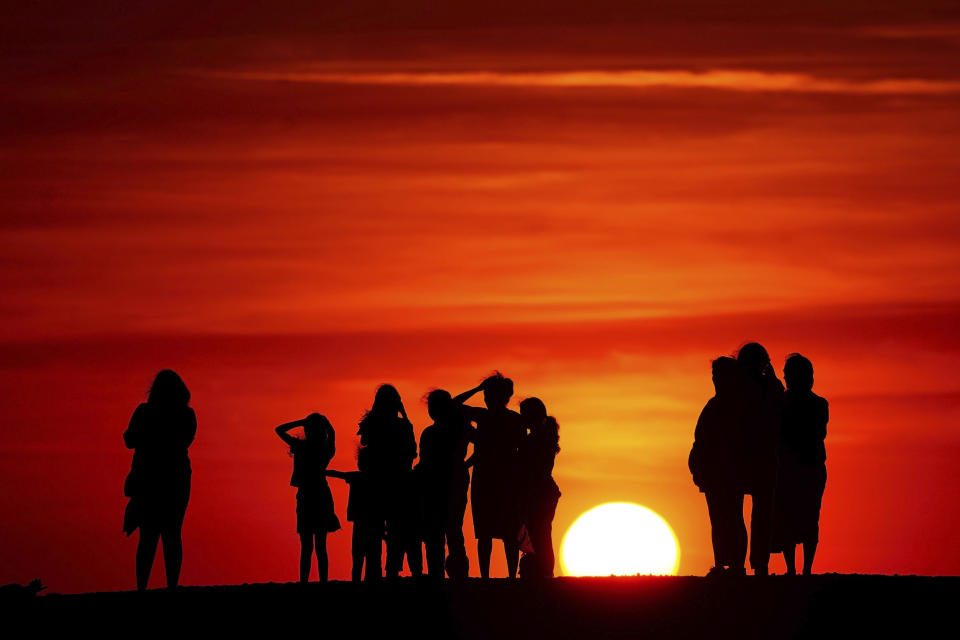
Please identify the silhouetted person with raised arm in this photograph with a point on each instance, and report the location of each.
(716, 462)
(495, 485)
(158, 485)
(367, 537)
(444, 479)
(538, 452)
(315, 514)
(387, 435)
(763, 413)
(802, 473)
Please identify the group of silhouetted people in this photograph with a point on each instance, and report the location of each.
(755, 438)
(409, 506)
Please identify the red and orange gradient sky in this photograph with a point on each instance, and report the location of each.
(292, 207)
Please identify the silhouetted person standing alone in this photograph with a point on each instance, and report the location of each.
(158, 485)
(763, 413)
(493, 494)
(387, 435)
(538, 452)
(444, 479)
(315, 514)
(716, 462)
(802, 473)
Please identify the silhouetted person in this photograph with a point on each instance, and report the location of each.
(538, 452)
(158, 485)
(802, 473)
(763, 413)
(716, 462)
(368, 529)
(315, 514)
(387, 435)
(493, 493)
(444, 479)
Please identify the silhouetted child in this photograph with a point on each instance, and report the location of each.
(538, 452)
(716, 462)
(495, 487)
(444, 480)
(367, 538)
(387, 435)
(802, 474)
(763, 414)
(315, 515)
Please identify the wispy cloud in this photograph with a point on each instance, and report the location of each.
(728, 79)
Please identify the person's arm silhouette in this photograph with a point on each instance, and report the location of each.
(284, 429)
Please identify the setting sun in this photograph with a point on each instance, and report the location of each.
(619, 538)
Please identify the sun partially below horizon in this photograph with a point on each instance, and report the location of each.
(621, 539)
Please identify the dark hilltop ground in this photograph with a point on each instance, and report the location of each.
(851, 606)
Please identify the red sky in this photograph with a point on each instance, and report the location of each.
(292, 207)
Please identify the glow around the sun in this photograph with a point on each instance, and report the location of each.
(622, 539)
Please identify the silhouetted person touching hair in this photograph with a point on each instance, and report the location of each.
(802, 473)
(315, 514)
(716, 462)
(387, 435)
(538, 452)
(444, 479)
(763, 413)
(158, 485)
(367, 538)
(493, 493)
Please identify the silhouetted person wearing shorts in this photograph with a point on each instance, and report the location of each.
(387, 435)
(367, 538)
(158, 485)
(763, 413)
(802, 473)
(315, 514)
(444, 479)
(716, 462)
(537, 454)
(495, 486)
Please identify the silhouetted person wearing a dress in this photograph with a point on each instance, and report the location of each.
(716, 462)
(495, 486)
(763, 413)
(387, 435)
(158, 485)
(802, 473)
(444, 479)
(537, 454)
(315, 514)
(367, 539)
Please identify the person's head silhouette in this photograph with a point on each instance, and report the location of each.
(168, 389)
(798, 373)
(497, 391)
(387, 401)
(754, 359)
(532, 411)
(726, 372)
(439, 405)
(316, 427)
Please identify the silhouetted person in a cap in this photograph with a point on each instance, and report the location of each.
(716, 462)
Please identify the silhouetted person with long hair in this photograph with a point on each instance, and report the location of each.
(387, 435)
(315, 514)
(444, 479)
(802, 473)
(367, 538)
(716, 462)
(158, 485)
(538, 452)
(763, 414)
(495, 485)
